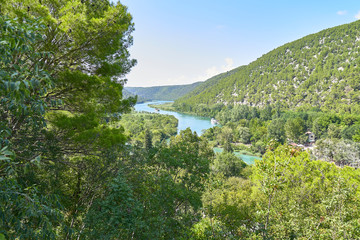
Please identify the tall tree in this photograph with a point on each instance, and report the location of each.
(83, 46)
(148, 140)
(25, 211)
(276, 130)
(294, 128)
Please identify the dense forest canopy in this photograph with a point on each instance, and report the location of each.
(62, 68)
(167, 93)
(77, 163)
(319, 70)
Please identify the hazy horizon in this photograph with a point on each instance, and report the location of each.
(182, 42)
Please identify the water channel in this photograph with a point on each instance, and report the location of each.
(195, 123)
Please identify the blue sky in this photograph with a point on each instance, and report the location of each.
(184, 41)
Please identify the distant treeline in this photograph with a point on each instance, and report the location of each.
(165, 93)
(320, 70)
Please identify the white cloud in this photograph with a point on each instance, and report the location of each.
(208, 73)
(343, 12)
(229, 64)
(357, 16)
(212, 71)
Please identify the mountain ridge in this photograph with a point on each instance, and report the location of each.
(168, 92)
(319, 70)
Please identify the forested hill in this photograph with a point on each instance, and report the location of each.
(126, 94)
(172, 92)
(320, 70)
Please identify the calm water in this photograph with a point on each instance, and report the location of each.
(246, 158)
(195, 123)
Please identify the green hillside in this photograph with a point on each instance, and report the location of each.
(126, 94)
(319, 70)
(172, 92)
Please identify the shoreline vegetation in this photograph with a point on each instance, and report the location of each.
(77, 163)
(255, 127)
(164, 106)
(142, 126)
(170, 107)
(238, 147)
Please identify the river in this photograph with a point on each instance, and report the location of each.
(195, 123)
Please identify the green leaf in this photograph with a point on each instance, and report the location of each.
(4, 158)
(2, 237)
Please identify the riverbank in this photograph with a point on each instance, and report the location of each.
(195, 123)
(167, 106)
(248, 159)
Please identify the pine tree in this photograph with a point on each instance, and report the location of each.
(148, 140)
(227, 147)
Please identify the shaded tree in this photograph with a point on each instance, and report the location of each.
(294, 128)
(148, 140)
(276, 130)
(228, 164)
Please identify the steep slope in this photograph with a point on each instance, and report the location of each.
(127, 94)
(172, 92)
(320, 70)
(205, 87)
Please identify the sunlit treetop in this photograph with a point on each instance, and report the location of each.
(87, 35)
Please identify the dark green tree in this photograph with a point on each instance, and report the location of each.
(148, 140)
(25, 210)
(228, 164)
(60, 134)
(294, 129)
(276, 130)
(227, 147)
(244, 134)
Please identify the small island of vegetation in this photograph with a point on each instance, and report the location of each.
(76, 162)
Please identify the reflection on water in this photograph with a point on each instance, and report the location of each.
(246, 158)
(196, 123)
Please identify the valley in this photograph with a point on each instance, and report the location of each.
(266, 149)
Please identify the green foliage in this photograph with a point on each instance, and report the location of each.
(295, 128)
(89, 35)
(276, 130)
(160, 127)
(288, 196)
(66, 171)
(283, 126)
(227, 147)
(334, 131)
(321, 124)
(350, 131)
(233, 207)
(244, 134)
(340, 151)
(260, 147)
(319, 70)
(161, 93)
(148, 140)
(116, 215)
(208, 228)
(305, 198)
(167, 106)
(22, 81)
(169, 183)
(25, 211)
(61, 81)
(228, 164)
